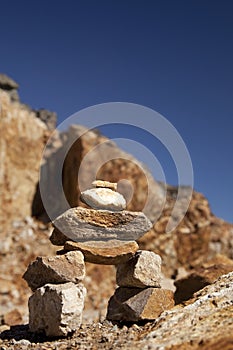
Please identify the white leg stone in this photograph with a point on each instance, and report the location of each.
(56, 310)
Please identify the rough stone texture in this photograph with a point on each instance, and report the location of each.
(205, 322)
(56, 310)
(198, 279)
(135, 304)
(81, 224)
(142, 270)
(56, 269)
(110, 252)
(22, 139)
(103, 198)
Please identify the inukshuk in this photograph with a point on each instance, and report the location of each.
(104, 234)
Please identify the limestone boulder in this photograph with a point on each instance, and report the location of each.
(56, 310)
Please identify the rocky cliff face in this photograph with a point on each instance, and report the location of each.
(23, 134)
(21, 143)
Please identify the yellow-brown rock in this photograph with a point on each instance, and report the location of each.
(105, 184)
(110, 252)
(55, 269)
(22, 139)
(135, 304)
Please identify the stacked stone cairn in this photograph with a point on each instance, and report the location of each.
(105, 234)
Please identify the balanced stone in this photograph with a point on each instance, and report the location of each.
(81, 224)
(141, 271)
(105, 184)
(57, 269)
(56, 310)
(103, 198)
(135, 304)
(110, 252)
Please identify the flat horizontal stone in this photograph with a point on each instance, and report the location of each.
(110, 252)
(56, 310)
(69, 267)
(135, 304)
(81, 224)
(105, 184)
(142, 270)
(103, 198)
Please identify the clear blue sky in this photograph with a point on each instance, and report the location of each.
(173, 56)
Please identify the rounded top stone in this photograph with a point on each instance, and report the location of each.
(105, 184)
(103, 198)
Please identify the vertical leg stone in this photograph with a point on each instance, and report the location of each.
(141, 271)
(56, 310)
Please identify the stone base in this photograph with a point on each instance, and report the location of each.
(135, 304)
(56, 310)
(141, 271)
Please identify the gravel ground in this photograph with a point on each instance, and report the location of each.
(95, 336)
